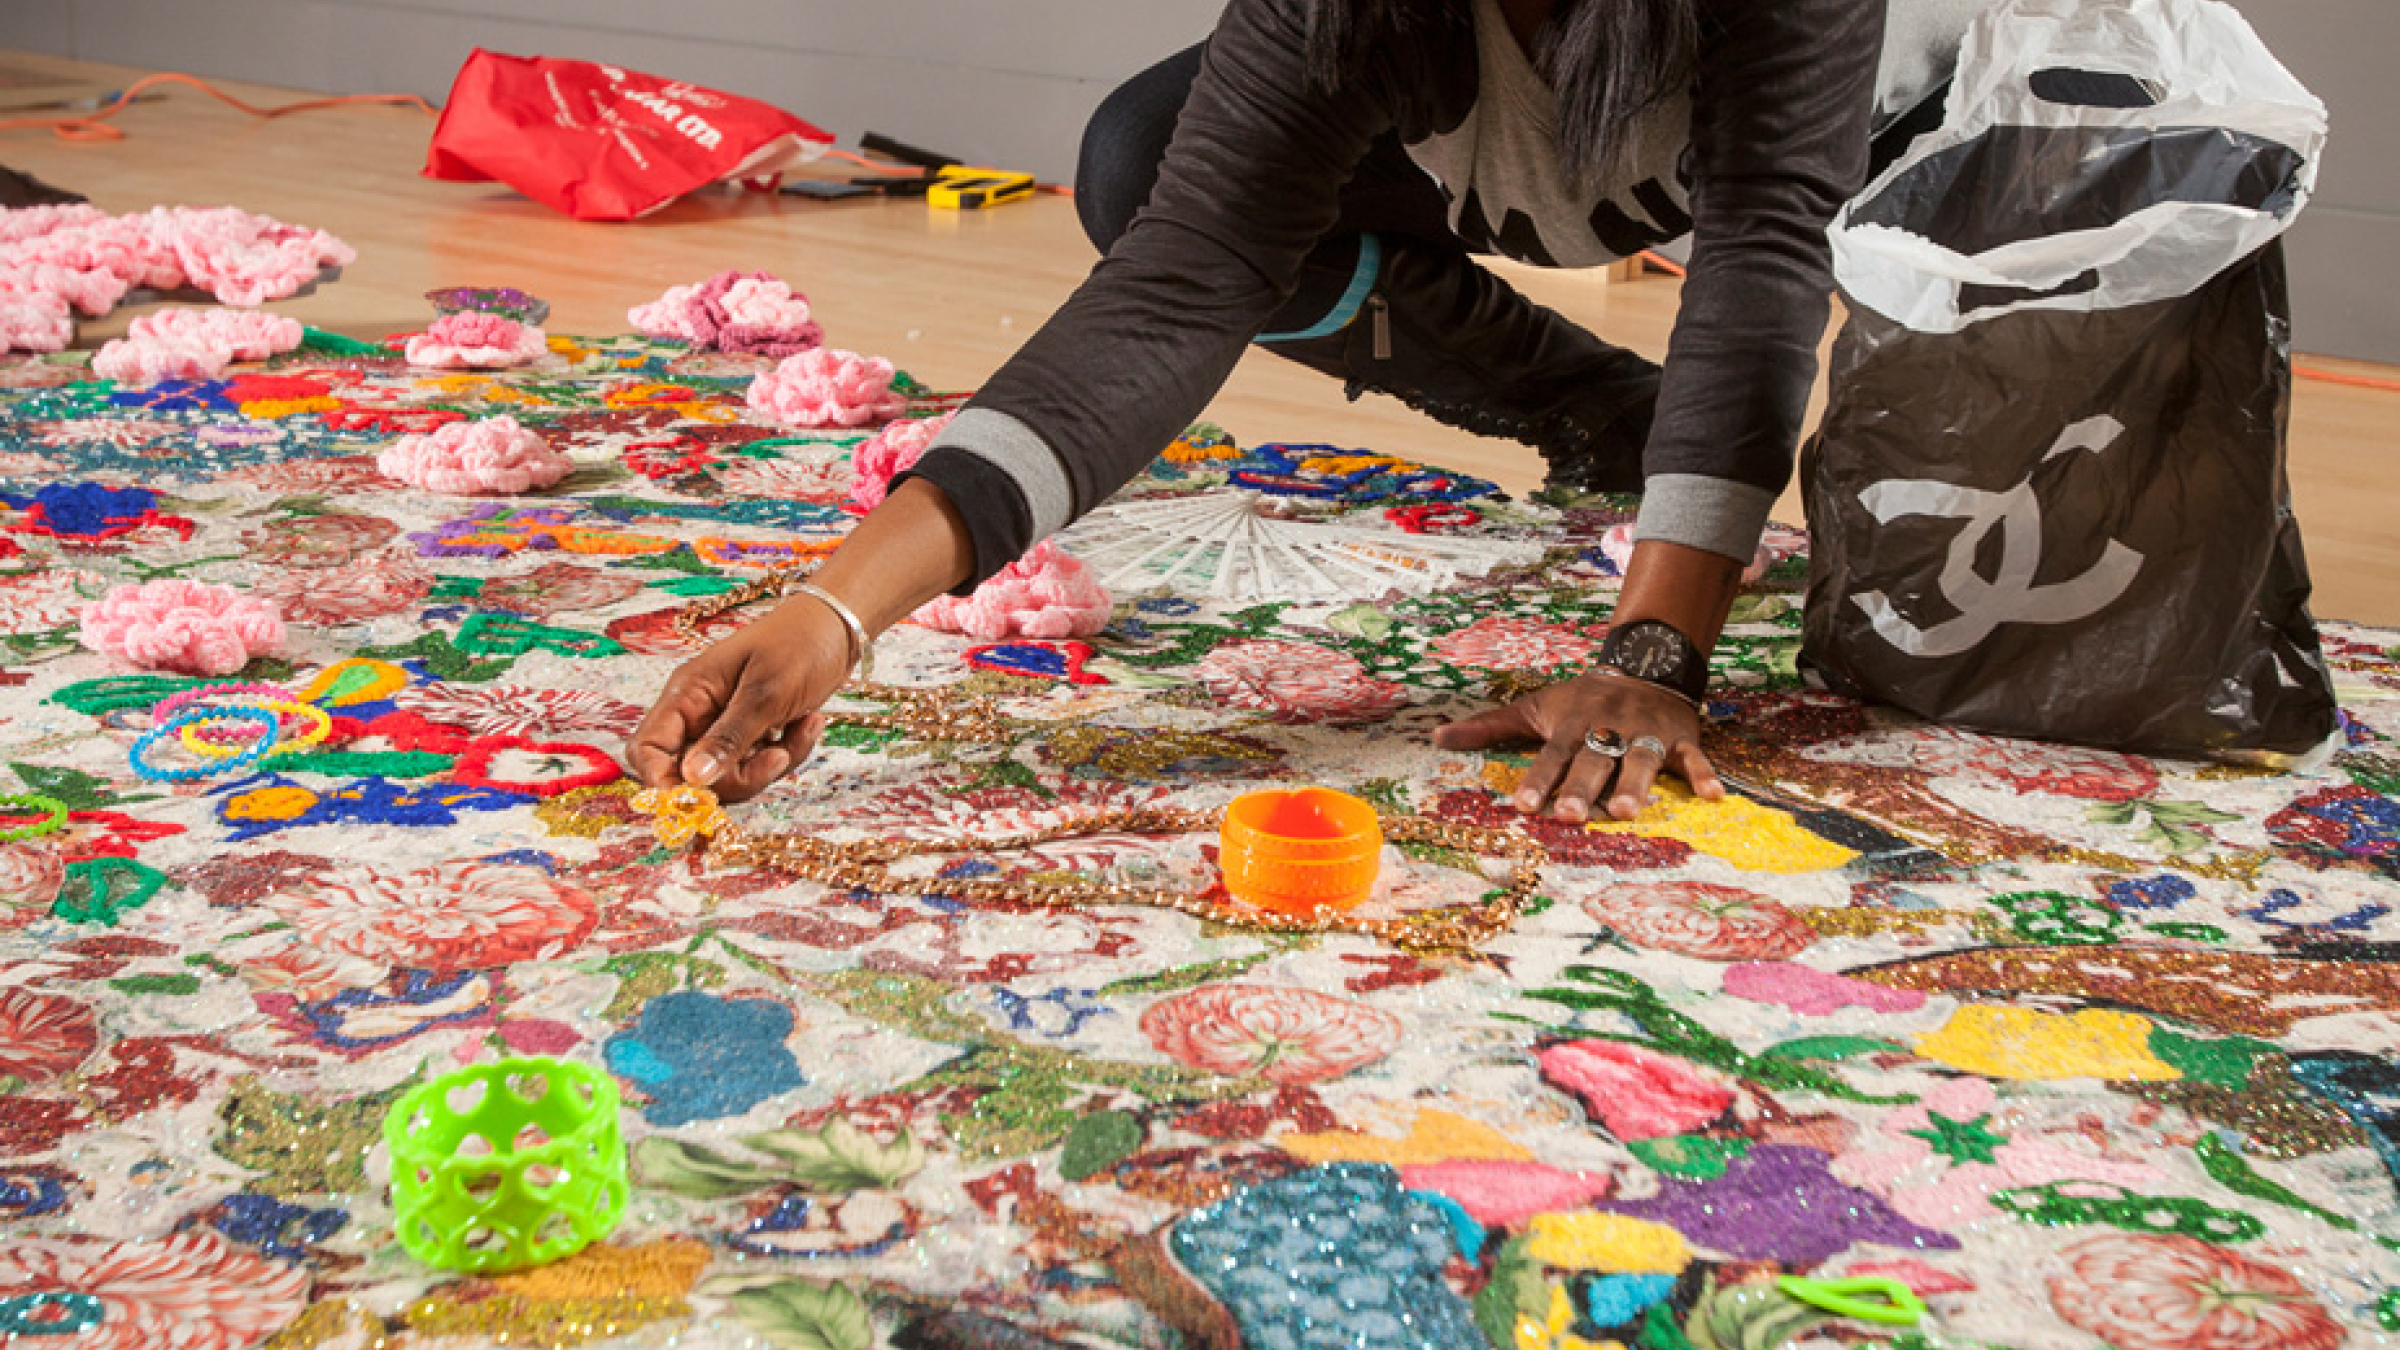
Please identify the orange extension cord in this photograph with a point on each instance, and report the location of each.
(93, 126)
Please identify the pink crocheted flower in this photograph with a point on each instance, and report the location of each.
(1048, 593)
(491, 456)
(193, 344)
(754, 312)
(91, 291)
(888, 454)
(34, 323)
(473, 340)
(185, 626)
(243, 259)
(827, 387)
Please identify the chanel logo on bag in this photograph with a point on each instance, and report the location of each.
(2010, 596)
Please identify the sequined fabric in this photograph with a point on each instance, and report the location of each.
(2086, 1049)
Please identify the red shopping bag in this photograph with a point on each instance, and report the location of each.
(603, 143)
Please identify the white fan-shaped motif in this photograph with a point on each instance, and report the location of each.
(1223, 545)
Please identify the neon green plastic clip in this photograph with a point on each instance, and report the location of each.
(1847, 1298)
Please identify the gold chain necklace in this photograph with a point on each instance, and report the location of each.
(686, 813)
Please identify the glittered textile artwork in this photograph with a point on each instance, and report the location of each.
(2086, 1050)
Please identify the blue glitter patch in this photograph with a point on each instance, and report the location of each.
(1330, 1258)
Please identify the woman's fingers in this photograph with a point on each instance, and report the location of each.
(1635, 773)
(1693, 764)
(1587, 778)
(761, 703)
(688, 702)
(1492, 726)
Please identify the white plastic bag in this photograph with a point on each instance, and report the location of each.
(2201, 99)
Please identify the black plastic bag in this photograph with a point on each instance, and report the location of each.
(2047, 498)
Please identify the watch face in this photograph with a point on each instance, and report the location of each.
(1651, 652)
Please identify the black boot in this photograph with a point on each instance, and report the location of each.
(1453, 341)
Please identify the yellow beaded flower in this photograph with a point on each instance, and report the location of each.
(681, 813)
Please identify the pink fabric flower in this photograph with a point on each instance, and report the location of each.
(888, 454)
(34, 323)
(827, 387)
(1617, 547)
(1287, 1036)
(1704, 920)
(243, 259)
(2148, 1291)
(473, 340)
(91, 291)
(193, 344)
(491, 456)
(752, 312)
(1297, 682)
(1048, 593)
(1816, 993)
(191, 1290)
(179, 625)
(1505, 1194)
(1636, 1093)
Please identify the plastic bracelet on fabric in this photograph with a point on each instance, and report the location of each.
(54, 815)
(1899, 1305)
(271, 732)
(862, 646)
(320, 725)
(184, 698)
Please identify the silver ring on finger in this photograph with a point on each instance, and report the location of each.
(1604, 743)
(1648, 745)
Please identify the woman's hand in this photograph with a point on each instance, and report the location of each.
(1570, 774)
(744, 713)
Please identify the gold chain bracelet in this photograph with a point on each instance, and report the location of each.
(686, 813)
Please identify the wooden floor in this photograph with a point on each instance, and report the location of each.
(944, 295)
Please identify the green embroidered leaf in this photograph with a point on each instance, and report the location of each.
(299, 1143)
(1186, 977)
(841, 1157)
(72, 788)
(2228, 1168)
(1751, 1317)
(806, 1315)
(1361, 621)
(1833, 1047)
(690, 587)
(1690, 1157)
(369, 763)
(1098, 1142)
(94, 698)
(157, 984)
(2110, 813)
(698, 1172)
(2220, 1063)
(1516, 1288)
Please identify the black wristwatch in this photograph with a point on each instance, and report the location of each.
(1655, 653)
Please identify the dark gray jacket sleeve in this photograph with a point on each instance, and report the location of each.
(1250, 183)
(1779, 142)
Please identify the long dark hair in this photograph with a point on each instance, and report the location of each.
(1609, 61)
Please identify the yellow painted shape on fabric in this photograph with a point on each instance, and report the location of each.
(1552, 1333)
(1611, 1244)
(2003, 1042)
(1187, 452)
(1737, 830)
(359, 679)
(1338, 465)
(269, 409)
(663, 1269)
(280, 802)
(1435, 1136)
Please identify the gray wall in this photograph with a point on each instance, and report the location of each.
(1010, 82)
(1006, 82)
(2345, 251)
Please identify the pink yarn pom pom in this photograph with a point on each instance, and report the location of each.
(193, 344)
(492, 456)
(827, 387)
(888, 454)
(754, 312)
(474, 340)
(1048, 593)
(184, 626)
(34, 323)
(1617, 547)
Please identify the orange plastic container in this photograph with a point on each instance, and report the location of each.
(1297, 852)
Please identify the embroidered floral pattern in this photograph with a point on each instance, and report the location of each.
(2146, 1292)
(448, 917)
(1288, 1036)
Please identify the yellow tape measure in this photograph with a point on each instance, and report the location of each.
(960, 188)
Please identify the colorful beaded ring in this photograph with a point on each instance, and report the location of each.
(196, 737)
(270, 732)
(52, 813)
